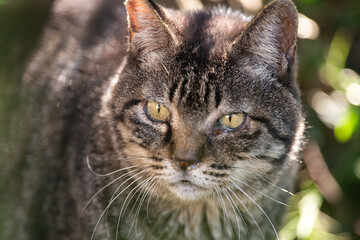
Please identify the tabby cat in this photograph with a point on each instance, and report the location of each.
(143, 122)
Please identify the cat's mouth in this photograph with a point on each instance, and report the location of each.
(187, 186)
(187, 190)
(186, 183)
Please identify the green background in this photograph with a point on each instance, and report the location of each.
(327, 201)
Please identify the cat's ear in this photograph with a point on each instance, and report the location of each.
(271, 36)
(151, 34)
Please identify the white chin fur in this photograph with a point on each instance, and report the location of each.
(188, 192)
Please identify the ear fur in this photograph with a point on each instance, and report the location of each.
(149, 32)
(271, 36)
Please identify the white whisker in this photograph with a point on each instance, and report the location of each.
(126, 203)
(107, 174)
(257, 173)
(260, 208)
(141, 203)
(107, 207)
(226, 215)
(232, 204)
(247, 210)
(152, 191)
(263, 194)
(116, 179)
(143, 189)
(282, 189)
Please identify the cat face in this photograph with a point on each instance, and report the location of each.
(198, 117)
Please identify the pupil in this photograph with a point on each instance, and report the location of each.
(158, 108)
(229, 117)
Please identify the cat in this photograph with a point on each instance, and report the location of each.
(143, 122)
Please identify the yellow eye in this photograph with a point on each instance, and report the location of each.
(157, 111)
(232, 121)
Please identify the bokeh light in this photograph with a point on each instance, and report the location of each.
(330, 108)
(189, 5)
(308, 28)
(251, 6)
(353, 94)
(309, 207)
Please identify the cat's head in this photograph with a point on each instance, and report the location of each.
(207, 101)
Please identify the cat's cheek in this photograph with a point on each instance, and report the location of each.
(131, 136)
(125, 134)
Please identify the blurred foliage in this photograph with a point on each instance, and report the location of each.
(329, 68)
(305, 219)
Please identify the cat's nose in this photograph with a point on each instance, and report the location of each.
(188, 158)
(186, 164)
(187, 147)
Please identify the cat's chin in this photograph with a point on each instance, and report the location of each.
(187, 191)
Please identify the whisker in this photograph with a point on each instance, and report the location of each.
(140, 204)
(126, 204)
(226, 215)
(143, 157)
(143, 189)
(232, 204)
(247, 210)
(260, 208)
(265, 195)
(247, 169)
(282, 189)
(116, 179)
(218, 196)
(112, 196)
(107, 207)
(266, 180)
(107, 174)
(152, 191)
(131, 195)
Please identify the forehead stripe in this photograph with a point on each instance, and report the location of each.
(173, 90)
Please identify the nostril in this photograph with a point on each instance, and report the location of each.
(187, 165)
(184, 165)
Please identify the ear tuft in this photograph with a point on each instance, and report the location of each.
(141, 16)
(271, 35)
(150, 35)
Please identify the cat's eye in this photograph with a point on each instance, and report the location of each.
(157, 111)
(232, 121)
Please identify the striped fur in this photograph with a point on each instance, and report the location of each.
(96, 146)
